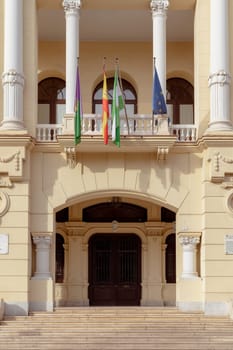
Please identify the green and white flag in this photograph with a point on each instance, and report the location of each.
(117, 107)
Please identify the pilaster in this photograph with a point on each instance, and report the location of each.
(43, 244)
(189, 243)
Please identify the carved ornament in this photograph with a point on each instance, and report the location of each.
(4, 203)
(160, 6)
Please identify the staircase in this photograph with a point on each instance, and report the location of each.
(116, 328)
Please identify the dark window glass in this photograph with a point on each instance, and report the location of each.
(59, 258)
(51, 101)
(171, 258)
(128, 92)
(180, 101)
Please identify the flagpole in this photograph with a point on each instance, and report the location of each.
(126, 116)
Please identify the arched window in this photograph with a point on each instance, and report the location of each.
(171, 258)
(128, 92)
(51, 101)
(59, 258)
(180, 101)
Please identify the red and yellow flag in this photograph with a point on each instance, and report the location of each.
(105, 110)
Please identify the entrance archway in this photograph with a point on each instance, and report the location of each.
(114, 269)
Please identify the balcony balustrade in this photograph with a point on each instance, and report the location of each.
(135, 125)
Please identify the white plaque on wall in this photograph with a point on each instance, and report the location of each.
(4, 243)
(229, 244)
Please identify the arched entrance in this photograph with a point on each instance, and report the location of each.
(114, 269)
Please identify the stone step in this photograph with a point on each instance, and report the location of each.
(116, 329)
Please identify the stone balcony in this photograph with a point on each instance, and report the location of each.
(138, 125)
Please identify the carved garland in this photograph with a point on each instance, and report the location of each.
(10, 158)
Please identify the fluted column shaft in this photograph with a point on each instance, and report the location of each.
(219, 79)
(71, 8)
(159, 17)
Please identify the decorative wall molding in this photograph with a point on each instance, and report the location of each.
(4, 203)
(11, 165)
(71, 157)
(5, 181)
(222, 169)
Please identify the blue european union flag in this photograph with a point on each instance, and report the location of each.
(158, 102)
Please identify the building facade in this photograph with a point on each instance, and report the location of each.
(147, 223)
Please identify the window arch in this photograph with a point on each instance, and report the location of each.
(180, 101)
(60, 256)
(51, 101)
(171, 258)
(128, 91)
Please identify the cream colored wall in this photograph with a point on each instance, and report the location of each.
(30, 65)
(100, 175)
(217, 222)
(202, 60)
(135, 66)
(2, 54)
(231, 50)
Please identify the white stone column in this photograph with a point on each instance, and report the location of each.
(13, 78)
(189, 244)
(219, 79)
(71, 8)
(43, 244)
(159, 17)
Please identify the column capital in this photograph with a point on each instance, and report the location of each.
(42, 239)
(189, 240)
(159, 6)
(71, 5)
(221, 77)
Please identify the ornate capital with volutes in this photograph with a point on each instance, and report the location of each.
(189, 240)
(221, 78)
(71, 6)
(13, 78)
(159, 6)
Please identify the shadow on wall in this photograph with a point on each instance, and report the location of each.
(1, 309)
(12, 310)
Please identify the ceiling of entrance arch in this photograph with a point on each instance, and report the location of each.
(115, 25)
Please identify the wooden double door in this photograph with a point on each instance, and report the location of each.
(114, 270)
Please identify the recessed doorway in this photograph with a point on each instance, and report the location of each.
(114, 270)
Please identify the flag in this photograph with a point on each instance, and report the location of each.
(78, 111)
(117, 107)
(105, 110)
(158, 101)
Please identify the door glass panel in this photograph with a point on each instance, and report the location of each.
(102, 263)
(128, 260)
(43, 113)
(60, 112)
(186, 114)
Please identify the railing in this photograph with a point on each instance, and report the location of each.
(48, 132)
(136, 125)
